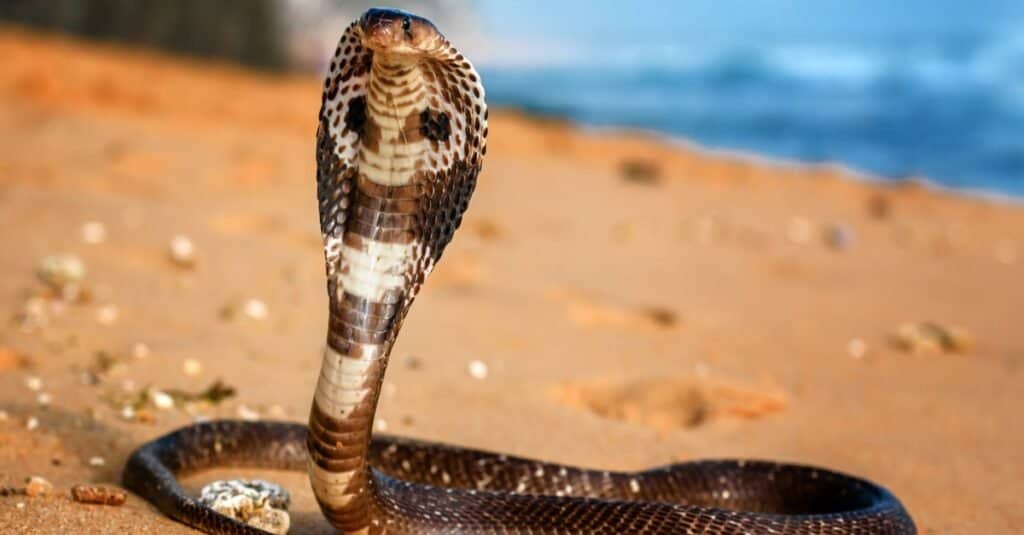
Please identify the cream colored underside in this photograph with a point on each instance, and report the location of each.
(394, 161)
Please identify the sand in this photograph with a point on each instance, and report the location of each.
(613, 300)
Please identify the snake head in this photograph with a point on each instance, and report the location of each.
(397, 32)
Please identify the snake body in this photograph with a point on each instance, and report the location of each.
(401, 139)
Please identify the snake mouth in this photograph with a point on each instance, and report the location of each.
(393, 31)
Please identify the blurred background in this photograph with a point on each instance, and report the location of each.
(899, 90)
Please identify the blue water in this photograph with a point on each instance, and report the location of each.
(945, 105)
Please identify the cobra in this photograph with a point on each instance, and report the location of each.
(401, 140)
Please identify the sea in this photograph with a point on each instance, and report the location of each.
(943, 103)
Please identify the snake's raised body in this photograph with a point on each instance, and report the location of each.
(400, 142)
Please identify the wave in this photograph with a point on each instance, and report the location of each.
(951, 109)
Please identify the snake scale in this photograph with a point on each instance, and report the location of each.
(401, 139)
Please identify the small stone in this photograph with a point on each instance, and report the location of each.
(20, 505)
(128, 412)
(32, 423)
(140, 350)
(247, 414)
(183, 251)
(277, 412)
(477, 369)
(97, 461)
(413, 362)
(44, 399)
(37, 486)
(255, 309)
(380, 424)
(161, 400)
(60, 271)
(3, 416)
(839, 237)
(798, 230)
(928, 337)
(94, 232)
(34, 383)
(857, 348)
(107, 314)
(98, 495)
(192, 367)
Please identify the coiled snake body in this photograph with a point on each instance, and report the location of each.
(401, 139)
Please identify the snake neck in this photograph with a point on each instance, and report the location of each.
(369, 290)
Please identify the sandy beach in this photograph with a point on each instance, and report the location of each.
(613, 300)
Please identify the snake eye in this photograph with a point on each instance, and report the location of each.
(407, 25)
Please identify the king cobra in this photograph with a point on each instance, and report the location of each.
(400, 143)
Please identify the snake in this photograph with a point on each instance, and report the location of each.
(400, 143)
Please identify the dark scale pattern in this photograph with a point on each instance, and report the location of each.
(403, 486)
(424, 487)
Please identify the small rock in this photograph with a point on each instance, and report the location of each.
(247, 414)
(839, 237)
(477, 369)
(857, 348)
(61, 271)
(192, 367)
(640, 171)
(97, 461)
(98, 495)
(927, 337)
(44, 399)
(258, 503)
(140, 350)
(107, 314)
(128, 412)
(37, 486)
(3, 416)
(32, 423)
(380, 424)
(255, 309)
(20, 505)
(34, 383)
(161, 400)
(798, 230)
(879, 207)
(183, 251)
(94, 232)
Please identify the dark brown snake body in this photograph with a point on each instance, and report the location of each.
(401, 140)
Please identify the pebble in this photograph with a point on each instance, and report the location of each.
(839, 237)
(183, 251)
(60, 271)
(3, 416)
(477, 369)
(94, 232)
(34, 383)
(255, 309)
(247, 414)
(98, 495)
(380, 424)
(37, 486)
(107, 314)
(192, 367)
(32, 423)
(857, 348)
(128, 412)
(927, 337)
(798, 230)
(161, 400)
(97, 461)
(20, 505)
(44, 399)
(140, 350)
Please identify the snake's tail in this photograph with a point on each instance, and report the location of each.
(152, 470)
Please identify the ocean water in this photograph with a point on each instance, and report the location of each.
(943, 105)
